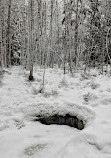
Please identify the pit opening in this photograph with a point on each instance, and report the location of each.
(69, 120)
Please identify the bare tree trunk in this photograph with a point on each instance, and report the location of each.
(107, 49)
(8, 53)
(1, 33)
(102, 53)
(76, 35)
(31, 39)
(50, 36)
(65, 37)
(70, 39)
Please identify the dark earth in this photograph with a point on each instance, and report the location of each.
(69, 120)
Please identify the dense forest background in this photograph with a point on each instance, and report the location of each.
(71, 34)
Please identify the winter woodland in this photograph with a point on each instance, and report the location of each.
(55, 66)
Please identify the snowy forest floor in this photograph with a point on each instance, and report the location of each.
(87, 97)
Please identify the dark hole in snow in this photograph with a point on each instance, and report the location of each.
(69, 120)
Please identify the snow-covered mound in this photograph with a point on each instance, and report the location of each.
(80, 112)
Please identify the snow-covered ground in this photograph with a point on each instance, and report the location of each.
(87, 97)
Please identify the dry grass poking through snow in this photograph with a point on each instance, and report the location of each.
(33, 149)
